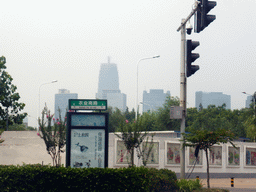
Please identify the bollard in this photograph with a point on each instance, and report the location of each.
(197, 178)
(232, 181)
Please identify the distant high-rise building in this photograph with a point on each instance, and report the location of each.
(108, 87)
(61, 101)
(248, 101)
(212, 98)
(154, 99)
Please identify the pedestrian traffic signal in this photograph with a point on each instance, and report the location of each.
(191, 57)
(202, 20)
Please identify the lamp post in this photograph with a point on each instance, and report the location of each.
(157, 56)
(151, 108)
(54, 81)
(253, 97)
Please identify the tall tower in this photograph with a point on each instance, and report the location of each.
(108, 78)
(108, 87)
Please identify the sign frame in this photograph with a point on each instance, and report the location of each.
(90, 129)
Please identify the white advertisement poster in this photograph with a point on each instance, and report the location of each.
(87, 148)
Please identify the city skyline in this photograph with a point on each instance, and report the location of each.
(70, 42)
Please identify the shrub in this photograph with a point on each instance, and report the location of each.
(185, 185)
(47, 178)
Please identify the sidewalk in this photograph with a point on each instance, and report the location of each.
(239, 183)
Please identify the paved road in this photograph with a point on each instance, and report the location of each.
(245, 182)
(240, 184)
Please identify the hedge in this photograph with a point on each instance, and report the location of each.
(47, 178)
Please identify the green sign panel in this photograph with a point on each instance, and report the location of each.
(87, 104)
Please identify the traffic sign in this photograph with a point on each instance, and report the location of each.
(87, 104)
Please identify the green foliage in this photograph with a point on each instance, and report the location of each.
(20, 127)
(46, 178)
(251, 128)
(206, 139)
(132, 135)
(185, 185)
(53, 136)
(163, 122)
(9, 105)
(210, 118)
(1, 131)
(149, 121)
(145, 150)
(115, 117)
(203, 139)
(213, 118)
(29, 128)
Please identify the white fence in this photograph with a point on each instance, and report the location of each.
(26, 147)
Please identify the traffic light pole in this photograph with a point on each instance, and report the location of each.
(202, 20)
(183, 94)
(183, 87)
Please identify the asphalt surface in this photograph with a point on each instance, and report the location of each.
(242, 181)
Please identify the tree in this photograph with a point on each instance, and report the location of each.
(9, 105)
(210, 119)
(53, 136)
(204, 139)
(115, 118)
(214, 117)
(132, 134)
(129, 115)
(163, 122)
(1, 131)
(145, 149)
(251, 128)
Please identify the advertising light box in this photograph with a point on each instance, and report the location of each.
(87, 140)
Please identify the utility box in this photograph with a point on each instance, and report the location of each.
(176, 112)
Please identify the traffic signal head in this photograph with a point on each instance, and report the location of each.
(197, 18)
(191, 57)
(206, 7)
(202, 20)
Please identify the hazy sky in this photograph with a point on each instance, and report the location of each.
(68, 40)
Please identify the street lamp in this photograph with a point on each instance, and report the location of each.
(151, 108)
(253, 97)
(54, 81)
(157, 56)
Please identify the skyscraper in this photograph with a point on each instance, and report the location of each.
(212, 98)
(61, 101)
(154, 99)
(249, 101)
(108, 87)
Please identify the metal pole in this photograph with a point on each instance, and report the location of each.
(184, 21)
(54, 81)
(137, 107)
(254, 102)
(183, 87)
